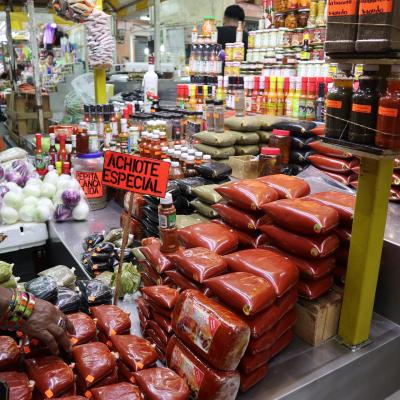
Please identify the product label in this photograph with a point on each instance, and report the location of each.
(362, 108)
(388, 112)
(334, 104)
(167, 221)
(375, 7)
(310, 109)
(40, 162)
(91, 183)
(198, 325)
(339, 8)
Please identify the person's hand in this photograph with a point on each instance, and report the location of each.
(49, 325)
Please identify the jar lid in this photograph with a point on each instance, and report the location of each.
(209, 101)
(167, 200)
(304, 9)
(91, 155)
(218, 103)
(280, 132)
(270, 151)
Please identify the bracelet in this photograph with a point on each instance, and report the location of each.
(21, 306)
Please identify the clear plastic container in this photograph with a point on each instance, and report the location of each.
(219, 116)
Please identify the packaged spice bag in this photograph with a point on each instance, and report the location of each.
(246, 138)
(163, 296)
(248, 381)
(120, 391)
(207, 194)
(224, 139)
(111, 320)
(332, 164)
(243, 124)
(85, 328)
(18, 384)
(311, 290)
(9, 353)
(288, 187)
(240, 219)
(204, 209)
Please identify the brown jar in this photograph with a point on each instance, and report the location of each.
(280, 6)
(302, 18)
(279, 21)
(291, 20)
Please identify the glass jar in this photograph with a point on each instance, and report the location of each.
(210, 115)
(219, 115)
(252, 39)
(280, 36)
(304, 3)
(208, 27)
(279, 21)
(280, 6)
(229, 51)
(268, 163)
(258, 40)
(321, 13)
(291, 20)
(292, 4)
(281, 139)
(265, 39)
(313, 13)
(297, 38)
(273, 37)
(238, 51)
(302, 17)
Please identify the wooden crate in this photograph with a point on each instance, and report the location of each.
(244, 167)
(317, 321)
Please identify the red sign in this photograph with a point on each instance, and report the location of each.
(91, 183)
(135, 174)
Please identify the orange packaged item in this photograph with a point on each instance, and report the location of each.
(248, 194)
(311, 290)
(248, 381)
(86, 388)
(52, 375)
(288, 187)
(278, 270)
(322, 148)
(302, 246)
(143, 307)
(151, 250)
(204, 382)
(344, 203)
(164, 323)
(124, 373)
(332, 164)
(137, 353)
(111, 320)
(85, 328)
(346, 178)
(9, 353)
(205, 325)
(181, 281)
(118, 391)
(199, 263)
(163, 296)
(161, 334)
(214, 237)
(303, 216)
(240, 219)
(162, 383)
(18, 385)
(244, 292)
(343, 233)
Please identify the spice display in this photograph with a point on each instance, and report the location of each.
(111, 320)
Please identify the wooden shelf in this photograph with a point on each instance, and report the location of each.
(364, 58)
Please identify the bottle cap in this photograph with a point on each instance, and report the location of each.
(171, 152)
(184, 149)
(164, 148)
(178, 147)
(167, 199)
(280, 132)
(184, 156)
(198, 154)
(206, 157)
(190, 158)
(191, 152)
(175, 164)
(177, 153)
(270, 151)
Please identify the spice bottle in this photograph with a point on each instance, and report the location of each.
(198, 157)
(219, 116)
(281, 139)
(53, 150)
(320, 103)
(206, 159)
(176, 156)
(210, 115)
(167, 225)
(189, 167)
(268, 163)
(240, 101)
(175, 172)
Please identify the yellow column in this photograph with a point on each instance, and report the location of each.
(100, 75)
(365, 250)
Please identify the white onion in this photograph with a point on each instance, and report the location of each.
(9, 215)
(43, 213)
(51, 177)
(32, 190)
(27, 213)
(14, 187)
(44, 201)
(34, 182)
(48, 190)
(13, 199)
(31, 201)
(57, 198)
(81, 211)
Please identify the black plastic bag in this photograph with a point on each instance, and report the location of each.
(214, 170)
(95, 292)
(44, 288)
(150, 214)
(68, 301)
(186, 184)
(299, 157)
(297, 127)
(90, 242)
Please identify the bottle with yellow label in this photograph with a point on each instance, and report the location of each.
(272, 97)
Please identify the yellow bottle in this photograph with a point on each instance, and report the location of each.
(290, 97)
(296, 98)
(280, 97)
(272, 97)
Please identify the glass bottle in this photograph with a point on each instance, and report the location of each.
(269, 161)
(198, 155)
(86, 114)
(113, 122)
(281, 139)
(167, 225)
(210, 115)
(303, 99)
(206, 159)
(164, 153)
(100, 122)
(272, 97)
(320, 103)
(155, 149)
(175, 172)
(289, 98)
(219, 116)
(73, 152)
(240, 101)
(280, 96)
(311, 99)
(189, 167)
(296, 97)
(52, 149)
(93, 120)
(62, 152)
(40, 156)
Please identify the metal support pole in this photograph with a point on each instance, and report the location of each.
(365, 250)
(12, 71)
(157, 35)
(100, 88)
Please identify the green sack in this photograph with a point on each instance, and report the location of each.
(10, 283)
(204, 209)
(264, 136)
(130, 279)
(243, 124)
(207, 194)
(6, 270)
(106, 277)
(182, 221)
(199, 218)
(138, 254)
(223, 139)
(218, 153)
(252, 150)
(266, 121)
(246, 138)
(63, 275)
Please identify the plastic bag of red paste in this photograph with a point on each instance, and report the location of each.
(199, 263)
(267, 319)
(146, 280)
(161, 334)
(181, 281)
(163, 296)
(150, 271)
(344, 179)
(302, 246)
(248, 381)
(344, 203)
(68, 398)
(214, 237)
(111, 320)
(151, 250)
(240, 219)
(251, 240)
(205, 326)
(156, 308)
(137, 353)
(108, 380)
(118, 391)
(205, 383)
(244, 292)
(93, 361)
(163, 322)
(85, 328)
(143, 307)
(162, 383)
(321, 148)
(125, 374)
(264, 220)
(18, 384)
(276, 269)
(311, 290)
(288, 187)
(270, 337)
(152, 336)
(343, 233)
(303, 216)
(332, 164)
(248, 194)
(142, 318)
(52, 375)
(9, 353)
(342, 255)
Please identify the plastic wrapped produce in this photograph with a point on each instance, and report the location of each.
(205, 383)
(120, 391)
(311, 290)
(243, 124)
(278, 270)
(105, 277)
(6, 270)
(162, 383)
(111, 320)
(163, 296)
(9, 353)
(181, 281)
(19, 386)
(130, 280)
(223, 139)
(68, 300)
(207, 194)
(151, 250)
(248, 381)
(210, 339)
(63, 275)
(240, 219)
(44, 288)
(135, 352)
(85, 328)
(92, 241)
(204, 209)
(214, 170)
(288, 187)
(95, 292)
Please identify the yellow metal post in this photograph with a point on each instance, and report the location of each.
(100, 88)
(365, 250)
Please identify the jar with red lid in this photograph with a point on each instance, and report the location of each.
(281, 139)
(268, 163)
(302, 17)
(291, 20)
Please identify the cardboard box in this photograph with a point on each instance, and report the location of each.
(244, 167)
(318, 321)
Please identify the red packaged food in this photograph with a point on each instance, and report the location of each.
(343, 233)
(303, 216)
(214, 237)
(262, 322)
(311, 290)
(137, 353)
(276, 269)
(288, 187)
(332, 164)
(204, 382)
(248, 381)
(204, 325)
(302, 246)
(85, 328)
(9, 353)
(52, 375)
(281, 343)
(264, 220)
(163, 322)
(239, 219)
(125, 372)
(199, 263)
(69, 398)
(152, 336)
(118, 391)
(150, 271)
(344, 203)
(342, 255)
(143, 307)
(161, 355)
(244, 292)
(248, 194)
(142, 318)
(18, 384)
(251, 240)
(93, 361)
(339, 274)
(181, 281)
(160, 310)
(111, 320)
(147, 281)
(161, 334)
(268, 339)
(162, 383)
(322, 148)
(163, 296)
(83, 386)
(345, 178)
(151, 250)
(318, 130)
